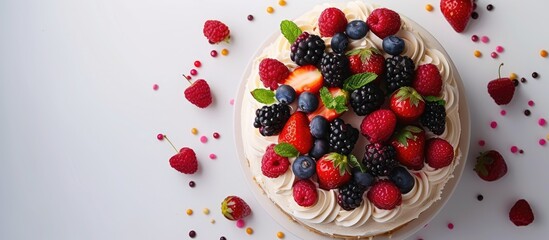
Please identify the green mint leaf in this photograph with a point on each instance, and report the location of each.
(326, 97)
(340, 104)
(290, 30)
(353, 161)
(286, 150)
(358, 80)
(437, 100)
(264, 96)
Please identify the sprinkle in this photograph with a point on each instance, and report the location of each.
(513, 76)
(197, 63)
(224, 52)
(503, 112)
(474, 38)
(222, 238)
(521, 151)
(515, 82)
(155, 87)
(514, 149)
(212, 221)
(189, 212)
(542, 122)
(477, 53)
(231, 101)
(489, 7)
(535, 75)
(192, 184)
(480, 197)
(203, 139)
(192, 234)
(522, 80)
(213, 53)
(494, 55)
(187, 77)
(216, 135)
(249, 231)
(450, 226)
(194, 131)
(485, 39)
(527, 112)
(429, 7)
(213, 156)
(282, 3)
(493, 124)
(206, 211)
(270, 9)
(280, 235)
(499, 49)
(240, 223)
(543, 53)
(474, 15)
(160, 136)
(547, 137)
(481, 143)
(531, 103)
(250, 17)
(542, 142)
(193, 72)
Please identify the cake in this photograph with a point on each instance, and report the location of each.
(325, 215)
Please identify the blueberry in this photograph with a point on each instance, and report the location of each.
(393, 45)
(319, 127)
(402, 179)
(304, 167)
(307, 102)
(320, 147)
(363, 178)
(356, 29)
(339, 42)
(285, 94)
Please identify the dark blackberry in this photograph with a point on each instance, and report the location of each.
(271, 119)
(434, 117)
(367, 99)
(399, 72)
(334, 68)
(342, 137)
(307, 49)
(379, 159)
(350, 195)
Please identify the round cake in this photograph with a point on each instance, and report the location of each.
(380, 109)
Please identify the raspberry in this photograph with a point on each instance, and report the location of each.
(216, 31)
(331, 21)
(378, 126)
(383, 22)
(305, 193)
(272, 72)
(184, 161)
(521, 213)
(272, 164)
(384, 194)
(199, 93)
(427, 81)
(438, 153)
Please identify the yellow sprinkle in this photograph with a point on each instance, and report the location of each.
(194, 131)
(547, 137)
(429, 7)
(513, 76)
(249, 231)
(189, 212)
(282, 3)
(543, 53)
(477, 53)
(280, 235)
(206, 211)
(270, 9)
(224, 52)
(212, 221)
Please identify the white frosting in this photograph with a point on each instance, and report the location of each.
(326, 215)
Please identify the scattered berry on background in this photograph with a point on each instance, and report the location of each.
(407, 104)
(379, 159)
(271, 119)
(285, 94)
(384, 194)
(332, 171)
(307, 49)
(296, 132)
(305, 78)
(320, 147)
(216, 31)
(342, 137)
(490, 166)
(489, 7)
(521, 213)
(331, 21)
(305, 193)
(339, 42)
(457, 13)
(383, 22)
(399, 72)
(367, 60)
(198, 93)
(439, 153)
(494, 55)
(402, 178)
(334, 68)
(378, 126)
(434, 116)
(234, 208)
(192, 184)
(272, 72)
(304, 167)
(184, 161)
(367, 99)
(409, 144)
(356, 29)
(319, 127)
(272, 164)
(393, 45)
(307, 102)
(501, 89)
(193, 72)
(350, 195)
(427, 81)
(543, 53)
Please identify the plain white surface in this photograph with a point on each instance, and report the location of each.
(78, 151)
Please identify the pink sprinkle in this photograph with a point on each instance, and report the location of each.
(542, 142)
(531, 103)
(474, 38)
(240, 223)
(193, 72)
(514, 149)
(494, 55)
(203, 139)
(231, 102)
(503, 112)
(155, 87)
(493, 124)
(450, 226)
(160, 136)
(499, 49)
(542, 122)
(481, 143)
(484, 39)
(213, 156)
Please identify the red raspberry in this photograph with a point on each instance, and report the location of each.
(272, 164)
(384, 194)
(272, 72)
(383, 22)
(199, 93)
(438, 153)
(521, 213)
(305, 193)
(331, 21)
(378, 126)
(216, 31)
(427, 81)
(184, 161)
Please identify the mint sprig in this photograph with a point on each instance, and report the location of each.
(436, 100)
(290, 30)
(338, 103)
(353, 161)
(264, 96)
(286, 150)
(357, 81)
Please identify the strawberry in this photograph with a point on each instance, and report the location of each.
(199, 93)
(384, 194)
(304, 192)
(409, 144)
(296, 132)
(407, 104)
(383, 22)
(332, 171)
(331, 21)
(331, 113)
(457, 13)
(438, 153)
(501, 89)
(234, 208)
(305, 78)
(184, 161)
(491, 166)
(367, 60)
(272, 164)
(378, 126)
(272, 72)
(216, 31)
(427, 80)
(521, 213)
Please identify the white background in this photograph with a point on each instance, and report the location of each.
(79, 157)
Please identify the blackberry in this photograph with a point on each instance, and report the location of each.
(342, 137)
(271, 119)
(307, 49)
(399, 72)
(379, 159)
(367, 99)
(350, 195)
(434, 117)
(334, 68)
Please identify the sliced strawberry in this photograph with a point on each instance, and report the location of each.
(329, 113)
(296, 132)
(305, 78)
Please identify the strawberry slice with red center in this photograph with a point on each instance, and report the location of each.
(305, 79)
(332, 105)
(297, 133)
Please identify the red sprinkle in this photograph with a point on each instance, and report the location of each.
(216, 135)
(188, 77)
(203, 139)
(514, 149)
(503, 112)
(484, 39)
(542, 122)
(494, 55)
(542, 142)
(155, 87)
(213, 156)
(531, 103)
(194, 72)
(493, 124)
(450, 226)
(160, 136)
(250, 17)
(499, 49)
(481, 143)
(197, 63)
(213, 53)
(474, 38)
